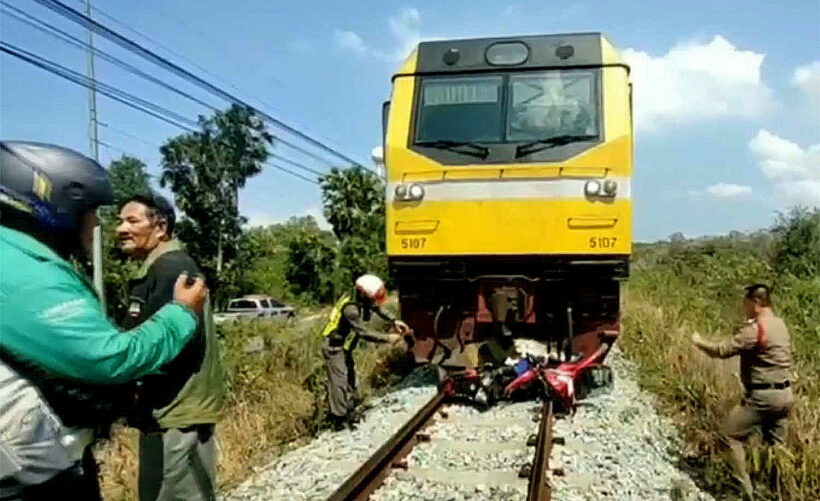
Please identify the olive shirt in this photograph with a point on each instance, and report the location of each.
(765, 357)
(354, 318)
(189, 390)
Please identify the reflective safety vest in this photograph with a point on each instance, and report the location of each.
(332, 325)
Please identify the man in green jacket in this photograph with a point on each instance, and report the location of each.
(177, 408)
(59, 355)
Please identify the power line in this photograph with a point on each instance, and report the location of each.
(295, 164)
(104, 88)
(63, 36)
(111, 92)
(128, 135)
(80, 79)
(273, 155)
(193, 63)
(126, 152)
(120, 150)
(284, 169)
(53, 31)
(141, 51)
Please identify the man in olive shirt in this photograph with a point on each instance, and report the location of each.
(764, 346)
(178, 408)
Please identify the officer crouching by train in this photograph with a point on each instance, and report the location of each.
(341, 335)
(764, 346)
(62, 363)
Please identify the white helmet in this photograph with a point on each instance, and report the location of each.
(372, 287)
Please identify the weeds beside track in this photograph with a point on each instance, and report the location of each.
(675, 290)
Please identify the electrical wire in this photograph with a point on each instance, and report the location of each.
(82, 80)
(193, 63)
(145, 53)
(111, 92)
(53, 31)
(273, 155)
(295, 164)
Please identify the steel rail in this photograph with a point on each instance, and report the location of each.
(538, 489)
(368, 478)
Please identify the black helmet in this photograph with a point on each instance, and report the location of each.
(51, 188)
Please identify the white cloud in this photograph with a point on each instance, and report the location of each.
(349, 40)
(794, 171)
(779, 158)
(807, 79)
(403, 28)
(727, 190)
(405, 31)
(697, 81)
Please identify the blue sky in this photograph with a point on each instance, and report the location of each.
(727, 94)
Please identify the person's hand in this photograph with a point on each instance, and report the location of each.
(191, 295)
(398, 341)
(401, 327)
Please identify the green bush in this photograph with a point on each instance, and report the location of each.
(798, 246)
(676, 290)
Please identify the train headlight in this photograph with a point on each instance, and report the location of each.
(610, 187)
(592, 188)
(416, 192)
(401, 191)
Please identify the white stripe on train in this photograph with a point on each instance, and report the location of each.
(507, 189)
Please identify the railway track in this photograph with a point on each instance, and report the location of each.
(521, 462)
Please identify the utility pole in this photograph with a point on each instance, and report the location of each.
(94, 146)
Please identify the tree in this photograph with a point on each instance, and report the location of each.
(353, 201)
(128, 177)
(205, 170)
(797, 250)
(310, 266)
(264, 252)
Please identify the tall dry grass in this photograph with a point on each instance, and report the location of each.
(277, 398)
(674, 292)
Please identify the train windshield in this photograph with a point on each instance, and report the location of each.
(511, 108)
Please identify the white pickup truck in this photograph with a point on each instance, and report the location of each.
(255, 307)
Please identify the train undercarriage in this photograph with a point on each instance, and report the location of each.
(475, 314)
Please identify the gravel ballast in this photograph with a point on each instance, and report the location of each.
(616, 446)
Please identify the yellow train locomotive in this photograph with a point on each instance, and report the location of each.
(508, 164)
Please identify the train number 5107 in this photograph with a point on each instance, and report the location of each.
(602, 242)
(413, 243)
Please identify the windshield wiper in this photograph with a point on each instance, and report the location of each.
(476, 150)
(550, 142)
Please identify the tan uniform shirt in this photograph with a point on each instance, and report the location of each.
(766, 361)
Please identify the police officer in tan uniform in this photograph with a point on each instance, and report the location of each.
(764, 346)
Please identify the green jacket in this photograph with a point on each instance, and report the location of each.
(191, 389)
(51, 318)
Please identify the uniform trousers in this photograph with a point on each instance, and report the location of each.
(178, 464)
(763, 410)
(341, 376)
